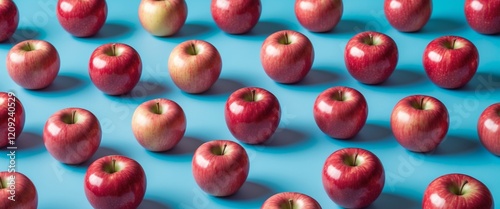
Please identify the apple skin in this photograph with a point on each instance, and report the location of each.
(455, 190)
(194, 66)
(236, 16)
(483, 16)
(340, 112)
(26, 194)
(82, 18)
(159, 124)
(33, 64)
(19, 118)
(115, 68)
(371, 57)
(289, 200)
(9, 19)
(252, 114)
(319, 15)
(408, 15)
(162, 18)
(353, 177)
(488, 128)
(419, 122)
(450, 61)
(72, 135)
(287, 56)
(121, 186)
(220, 167)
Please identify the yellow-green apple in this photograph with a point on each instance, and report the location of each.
(483, 16)
(82, 18)
(13, 118)
(72, 135)
(159, 124)
(419, 122)
(450, 61)
(319, 15)
(371, 57)
(408, 15)
(17, 191)
(115, 68)
(290, 200)
(287, 56)
(457, 191)
(252, 114)
(220, 167)
(488, 128)
(340, 112)
(162, 17)
(353, 177)
(194, 66)
(33, 64)
(9, 19)
(115, 182)
(236, 16)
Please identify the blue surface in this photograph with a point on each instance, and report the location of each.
(294, 159)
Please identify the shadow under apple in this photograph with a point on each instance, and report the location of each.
(394, 201)
(152, 204)
(251, 194)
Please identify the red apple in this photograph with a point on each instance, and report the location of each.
(450, 61)
(33, 64)
(220, 167)
(371, 57)
(290, 200)
(419, 122)
(408, 15)
(483, 16)
(287, 56)
(488, 128)
(115, 68)
(13, 118)
(17, 191)
(162, 17)
(236, 16)
(340, 112)
(115, 182)
(353, 177)
(457, 191)
(194, 66)
(319, 15)
(252, 114)
(159, 124)
(72, 135)
(82, 18)
(9, 19)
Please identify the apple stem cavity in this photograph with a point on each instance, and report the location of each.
(285, 40)
(224, 149)
(460, 192)
(354, 162)
(158, 108)
(73, 117)
(1, 184)
(339, 96)
(28, 47)
(192, 50)
(290, 203)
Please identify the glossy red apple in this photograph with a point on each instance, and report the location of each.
(159, 124)
(340, 112)
(115, 182)
(9, 19)
(220, 167)
(13, 118)
(17, 191)
(419, 122)
(115, 68)
(371, 57)
(194, 66)
(162, 17)
(33, 64)
(353, 177)
(408, 15)
(319, 15)
(252, 114)
(488, 128)
(455, 190)
(82, 18)
(290, 200)
(287, 56)
(236, 16)
(483, 16)
(450, 61)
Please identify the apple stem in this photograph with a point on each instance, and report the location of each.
(453, 43)
(341, 96)
(158, 110)
(253, 95)
(355, 159)
(113, 162)
(73, 117)
(113, 48)
(286, 38)
(224, 149)
(422, 103)
(1, 184)
(29, 46)
(462, 187)
(371, 39)
(290, 203)
(193, 48)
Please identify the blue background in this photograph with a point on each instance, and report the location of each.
(293, 160)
